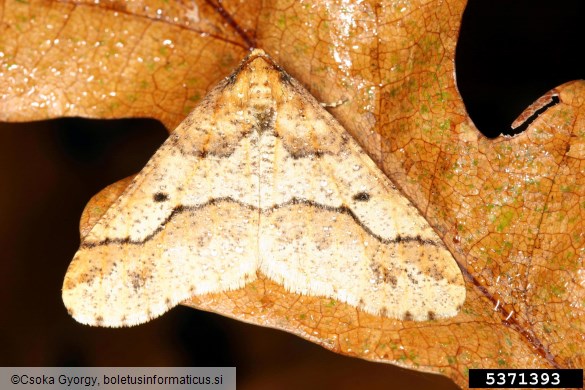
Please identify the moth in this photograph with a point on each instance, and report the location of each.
(259, 178)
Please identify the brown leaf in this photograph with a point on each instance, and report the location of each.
(511, 210)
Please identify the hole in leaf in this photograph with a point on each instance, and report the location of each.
(109, 143)
(510, 54)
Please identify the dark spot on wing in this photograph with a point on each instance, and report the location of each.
(160, 197)
(432, 315)
(407, 316)
(361, 197)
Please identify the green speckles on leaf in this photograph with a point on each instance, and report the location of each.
(144, 84)
(151, 66)
(502, 363)
(227, 60)
(331, 303)
(131, 98)
(468, 310)
(504, 220)
(445, 96)
(503, 149)
(281, 22)
(504, 248)
(114, 106)
(195, 97)
(558, 291)
(320, 69)
(301, 48)
(302, 316)
(192, 81)
(97, 210)
(508, 341)
(410, 356)
(451, 360)
(392, 93)
(24, 19)
(445, 125)
(430, 43)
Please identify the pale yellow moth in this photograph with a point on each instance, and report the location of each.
(259, 178)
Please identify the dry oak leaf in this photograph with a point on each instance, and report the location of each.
(511, 210)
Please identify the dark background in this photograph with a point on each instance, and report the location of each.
(510, 53)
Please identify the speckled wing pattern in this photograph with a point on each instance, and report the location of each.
(260, 178)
